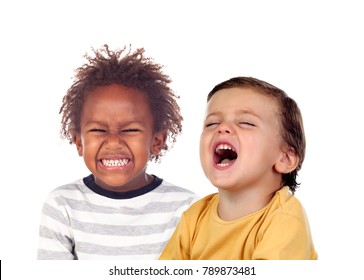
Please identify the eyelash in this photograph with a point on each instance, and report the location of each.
(131, 130)
(247, 123)
(211, 124)
(240, 123)
(123, 131)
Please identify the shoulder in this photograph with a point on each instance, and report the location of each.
(167, 187)
(206, 201)
(60, 200)
(288, 202)
(75, 190)
(75, 186)
(285, 231)
(285, 206)
(202, 206)
(174, 192)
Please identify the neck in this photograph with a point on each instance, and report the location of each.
(238, 204)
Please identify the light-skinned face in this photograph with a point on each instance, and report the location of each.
(117, 138)
(241, 144)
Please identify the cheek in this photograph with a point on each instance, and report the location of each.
(141, 148)
(204, 148)
(90, 147)
(202, 143)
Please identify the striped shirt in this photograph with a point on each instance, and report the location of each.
(83, 221)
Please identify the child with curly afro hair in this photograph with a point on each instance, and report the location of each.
(120, 113)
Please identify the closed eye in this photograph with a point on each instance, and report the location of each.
(211, 124)
(131, 130)
(97, 130)
(246, 123)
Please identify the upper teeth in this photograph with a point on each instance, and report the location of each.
(115, 162)
(224, 147)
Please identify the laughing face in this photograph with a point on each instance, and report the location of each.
(116, 138)
(240, 143)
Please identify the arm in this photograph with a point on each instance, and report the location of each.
(55, 238)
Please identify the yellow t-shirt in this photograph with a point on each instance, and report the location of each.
(279, 231)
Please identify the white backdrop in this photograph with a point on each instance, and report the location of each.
(312, 50)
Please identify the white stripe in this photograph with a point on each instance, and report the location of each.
(123, 241)
(121, 219)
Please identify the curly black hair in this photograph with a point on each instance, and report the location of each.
(130, 69)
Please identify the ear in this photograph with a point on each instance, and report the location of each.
(78, 143)
(287, 161)
(158, 142)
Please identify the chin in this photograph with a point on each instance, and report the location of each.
(221, 183)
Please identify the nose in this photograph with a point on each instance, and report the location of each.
(114, 141)
(225, 129)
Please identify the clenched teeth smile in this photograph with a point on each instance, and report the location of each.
(225, 155)
(115, 162)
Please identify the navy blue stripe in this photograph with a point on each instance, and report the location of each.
(90, 183)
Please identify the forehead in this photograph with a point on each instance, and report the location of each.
(115, 101)
(242, 99)
(116, 94)
(115, 91)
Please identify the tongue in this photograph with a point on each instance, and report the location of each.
(226, 160)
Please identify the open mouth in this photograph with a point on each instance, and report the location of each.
(115, 162)
(224, 155)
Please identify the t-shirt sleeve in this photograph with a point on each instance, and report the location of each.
(285, 237)
(55, 237)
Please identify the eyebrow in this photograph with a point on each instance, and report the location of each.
(239, 112)
(102, 123)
